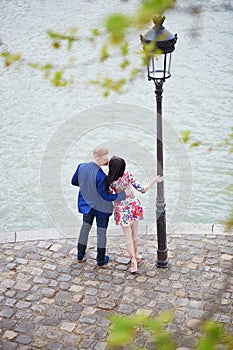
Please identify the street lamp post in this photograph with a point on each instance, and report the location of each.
(158, 45)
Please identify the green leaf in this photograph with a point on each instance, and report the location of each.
(134, 72)
(57, 79)
(166, 317)
(34, 65)
(124, 64)
(96, 32)
(185, 135)
(122, 330)
(47, 66)
(195, 144)
(155, 324)
(117, 86)
(53, 35)
(124, 49)
(57, 37)
(104, 53)
(151, 8)
(116, 26)
(5, 54)
(164, 341)
(10, 58)
(213, 335)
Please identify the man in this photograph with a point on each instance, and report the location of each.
(94, 202)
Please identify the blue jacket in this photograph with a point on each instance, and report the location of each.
(92, 192)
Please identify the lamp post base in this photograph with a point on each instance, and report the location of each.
(162, 259)
(162, 251)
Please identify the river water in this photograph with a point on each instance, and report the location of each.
(46, 131)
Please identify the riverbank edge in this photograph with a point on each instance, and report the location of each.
(72, 232)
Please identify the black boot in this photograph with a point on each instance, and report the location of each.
(81, 252)
(102, 259)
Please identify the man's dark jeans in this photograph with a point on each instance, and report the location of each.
(102, 224)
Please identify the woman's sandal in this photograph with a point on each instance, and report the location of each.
(138, 258)
(133, 268)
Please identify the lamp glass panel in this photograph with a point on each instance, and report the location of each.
(159, 66)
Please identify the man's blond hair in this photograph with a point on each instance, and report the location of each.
(100, 152)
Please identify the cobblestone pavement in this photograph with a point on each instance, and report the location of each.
(48, 301)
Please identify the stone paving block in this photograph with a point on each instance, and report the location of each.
(88, 319)
(47, 301)
(64, 278)
(55, 247)
(7, 283)
(21, 261)
(38, 307)
(100, 346)
(7, 312)
(39, 343)
(54, 346)
(10, 335)
(8, 345)
(49, 267)
(40, 280)
(10, 301)
(71, 341)
(48, 292)
(24, 339)
(67, 326)
(227, 257)
(44, 244)
(22, 286)
(22, 304)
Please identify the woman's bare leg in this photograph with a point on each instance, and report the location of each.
(134, 227)
(130, 247)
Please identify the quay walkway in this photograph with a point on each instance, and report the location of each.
(49, 301)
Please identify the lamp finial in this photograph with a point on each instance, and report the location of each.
(158, 21)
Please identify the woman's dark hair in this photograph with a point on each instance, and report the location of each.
(116, 170)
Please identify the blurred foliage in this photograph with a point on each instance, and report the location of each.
(124, 330)
(58, 80)
(150, 8)
(116, 26)
(115, 30)
(214, 337)
(58, 38)
(185, 137)
(10, 58)
(56, 77)
(107, 85)
(104, 53)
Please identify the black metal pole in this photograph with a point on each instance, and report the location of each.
(162, 253)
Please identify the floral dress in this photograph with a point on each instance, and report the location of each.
(130, 209)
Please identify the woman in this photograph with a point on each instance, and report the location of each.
(127, 212)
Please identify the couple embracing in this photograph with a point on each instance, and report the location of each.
(97, 192)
